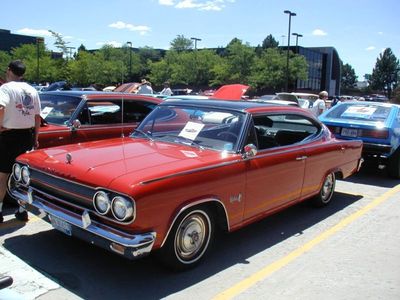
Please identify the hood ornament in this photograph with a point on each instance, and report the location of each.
(68, 158)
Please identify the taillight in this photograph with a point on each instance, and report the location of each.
(334, 129)
(374, 133)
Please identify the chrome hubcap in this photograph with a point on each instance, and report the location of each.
(327, 188)
(192, 237)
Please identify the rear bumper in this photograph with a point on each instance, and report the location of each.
(383, 150)
(131, 246)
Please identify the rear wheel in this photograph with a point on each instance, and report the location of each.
(326, 192)
(189, 239)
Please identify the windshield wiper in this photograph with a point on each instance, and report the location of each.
(145, 134)
(189, 142)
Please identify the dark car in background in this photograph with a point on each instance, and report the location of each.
(79, 116)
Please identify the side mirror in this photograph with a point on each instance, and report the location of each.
(75, 124)
(250, 150)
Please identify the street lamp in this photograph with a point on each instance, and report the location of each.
(130, 60)
(297, 37)
(195, 42)
(291, 14)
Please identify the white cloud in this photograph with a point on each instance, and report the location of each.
(208, 5)
(166, 2)
(142, 29)
(34, 32)
(380, 32)
(319, 32)
(370, 48)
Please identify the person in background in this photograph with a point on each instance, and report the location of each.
(319, 104)
(145, 87)
(19, 125)
(166, 90)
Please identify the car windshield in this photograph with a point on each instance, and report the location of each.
(362, 111)
(198, 127)
(58, 109)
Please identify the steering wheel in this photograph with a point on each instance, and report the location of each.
(228, 133)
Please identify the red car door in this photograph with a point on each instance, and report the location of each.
(274, 178)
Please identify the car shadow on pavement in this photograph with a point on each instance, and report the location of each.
(93, 273)
(370, 173)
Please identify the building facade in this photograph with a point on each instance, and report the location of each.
(324, 71)
(9, 40)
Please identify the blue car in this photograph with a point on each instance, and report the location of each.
(377, 124)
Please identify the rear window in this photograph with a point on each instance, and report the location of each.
(367, 112)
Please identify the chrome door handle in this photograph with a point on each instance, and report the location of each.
(301, 157)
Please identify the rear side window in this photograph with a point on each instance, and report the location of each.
(282, 130)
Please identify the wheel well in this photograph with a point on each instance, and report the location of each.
(214, 206)
(338, 175)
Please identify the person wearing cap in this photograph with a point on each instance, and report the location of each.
(19, 125)
(145, 87)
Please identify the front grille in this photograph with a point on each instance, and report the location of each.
(62, 192)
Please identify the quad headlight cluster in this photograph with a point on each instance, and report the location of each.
(121, 207)
(21, 174)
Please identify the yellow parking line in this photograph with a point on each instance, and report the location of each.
(248, 282)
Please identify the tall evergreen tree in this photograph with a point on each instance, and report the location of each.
(385, 75)
(348, 77)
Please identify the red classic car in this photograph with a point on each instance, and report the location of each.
(190, 168)
(79, 116)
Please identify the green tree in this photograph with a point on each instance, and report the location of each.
(270, 42)
(348, 77)
(180, 43)
(385, 75)
(236, 65)
(5, 59)
(60, 43)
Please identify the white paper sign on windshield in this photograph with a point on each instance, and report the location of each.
(359, 111)
(45, 111)
(191, 130)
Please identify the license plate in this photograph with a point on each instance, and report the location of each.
(350, 132)
(61, 225)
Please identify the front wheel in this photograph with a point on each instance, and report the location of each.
(326, 192)
(189, 240)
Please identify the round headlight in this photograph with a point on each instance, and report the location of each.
(25, 175)
(101, 202)
(17, 172)
(121, 208)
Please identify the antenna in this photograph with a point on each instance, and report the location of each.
(122, 117)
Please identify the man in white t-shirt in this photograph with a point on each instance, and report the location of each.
(319, 104)
(19, 125)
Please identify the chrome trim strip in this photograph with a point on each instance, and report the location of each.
(191, 171)
(112, 235)
(183, 209)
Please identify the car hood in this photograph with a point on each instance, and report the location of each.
(230, 92)
(121, 161)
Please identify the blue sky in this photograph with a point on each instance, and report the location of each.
(359, 30)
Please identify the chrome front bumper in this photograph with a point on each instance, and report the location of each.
(131, 246)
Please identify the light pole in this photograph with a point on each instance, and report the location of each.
(195, 42)
(291, 14)
(297, 38)
(130, 60)
(38, 40)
